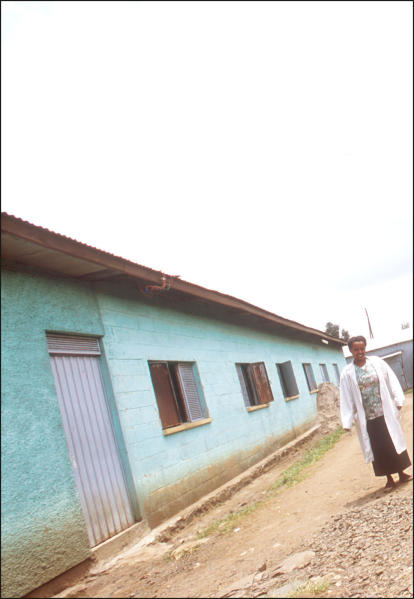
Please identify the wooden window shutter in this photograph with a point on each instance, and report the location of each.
(164, 392)
(309, 376)
(189, 392)
(312, 378)
(290, 379)
(262, 382)
(252, 388)
(283, 381)
(243, 385)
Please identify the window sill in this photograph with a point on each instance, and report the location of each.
(313, 391)
(292, 397)
(254, 408)
(185, 426)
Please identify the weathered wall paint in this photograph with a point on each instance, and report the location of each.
(43, 531)
(172, 472)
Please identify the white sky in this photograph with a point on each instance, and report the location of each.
(262, 149)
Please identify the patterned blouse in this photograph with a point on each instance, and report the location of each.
(367, 379)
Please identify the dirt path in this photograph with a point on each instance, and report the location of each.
(185, 565)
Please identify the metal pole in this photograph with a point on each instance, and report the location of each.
(371, 334)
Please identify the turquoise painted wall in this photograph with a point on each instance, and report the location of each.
(136, 332)
(43, 531)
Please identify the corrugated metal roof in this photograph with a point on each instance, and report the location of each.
(397, 353)
(24, 242)
(17, 218)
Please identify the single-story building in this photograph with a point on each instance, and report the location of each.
(128, 394)
(397, 352)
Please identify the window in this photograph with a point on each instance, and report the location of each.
(177, 392)
(324, 372)
(337, 374)
(287, 380)
(310, 379)
(254, 383)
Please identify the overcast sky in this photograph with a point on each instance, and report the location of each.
(261, 149)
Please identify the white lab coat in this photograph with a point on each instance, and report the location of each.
(352, 409)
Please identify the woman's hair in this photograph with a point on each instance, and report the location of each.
(353, 340)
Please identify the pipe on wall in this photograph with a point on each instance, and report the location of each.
(150, 289)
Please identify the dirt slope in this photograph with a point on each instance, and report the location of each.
(337, 484)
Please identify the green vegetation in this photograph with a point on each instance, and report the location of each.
(333, 330)
(227, 524)
(311, 589)
(178, 553)
(292, 475)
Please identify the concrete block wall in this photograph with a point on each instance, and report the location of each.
(170, 472)
(43, 529)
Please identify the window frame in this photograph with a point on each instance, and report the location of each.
(287, 378)
(311, 389)
(321, 365)
(337, 372)
(178, 395)
(255, 385)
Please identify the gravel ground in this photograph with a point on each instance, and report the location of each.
(365, 552)
(370, 548)
(336, 534)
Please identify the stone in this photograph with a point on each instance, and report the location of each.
(297, 560)
(239, 585)
(284, 590)
(187, 547)
(370, 542)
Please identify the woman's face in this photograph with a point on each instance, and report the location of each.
(358, 351)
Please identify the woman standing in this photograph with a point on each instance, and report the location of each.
(371, 394)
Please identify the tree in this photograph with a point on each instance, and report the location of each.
(333, 330)
(345, 335)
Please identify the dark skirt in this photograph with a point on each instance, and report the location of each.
(386, 459)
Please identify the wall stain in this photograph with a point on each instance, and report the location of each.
(167, 501)
(30, 561)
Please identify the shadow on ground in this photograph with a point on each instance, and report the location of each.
(369, 497)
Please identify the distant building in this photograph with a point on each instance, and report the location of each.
(398, 353)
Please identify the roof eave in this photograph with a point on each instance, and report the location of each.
(48, 239)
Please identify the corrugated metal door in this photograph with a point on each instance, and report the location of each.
(395, 362)
(90, 436)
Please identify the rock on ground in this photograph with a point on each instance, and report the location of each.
(328, 407)
(364, 552)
